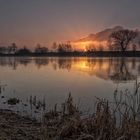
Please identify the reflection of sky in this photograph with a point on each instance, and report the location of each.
(43, 21)
(85, 78)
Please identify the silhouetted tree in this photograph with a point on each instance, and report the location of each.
(12, 49)
(91, 48)
(40, 50)
(113, 46)
(134, 47)
(122, 38)
(64, 48)
(3, 50)
(54, 46)
(23, 51)
(60, 48)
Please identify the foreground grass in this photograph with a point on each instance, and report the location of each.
(117, 120)
(16, 127)
(102, 125)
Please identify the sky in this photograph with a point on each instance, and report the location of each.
(28, 22)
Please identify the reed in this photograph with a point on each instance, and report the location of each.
(115, 120)
(118, 120)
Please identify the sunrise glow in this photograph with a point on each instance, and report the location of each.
(91, 67)
(83, 45)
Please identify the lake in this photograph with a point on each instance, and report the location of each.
(53, 78)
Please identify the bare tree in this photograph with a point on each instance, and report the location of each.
(134, 47)
(122, 38)
(54, 46)
(91, 48)
(41, 50)
(12, 48)
(64, 48)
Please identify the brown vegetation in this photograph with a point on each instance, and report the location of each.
(117, 120)
(109, 122)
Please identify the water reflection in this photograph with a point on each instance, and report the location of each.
(115, 69)
(53, 78)
(123, 70)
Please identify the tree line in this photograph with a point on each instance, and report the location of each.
(14, 49)
(118, 41)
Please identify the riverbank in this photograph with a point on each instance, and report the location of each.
(16, 127)
(77, 54)
(69, 124)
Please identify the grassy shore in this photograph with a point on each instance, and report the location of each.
(117, 120)
(16, 127)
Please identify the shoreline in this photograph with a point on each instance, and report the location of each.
(78, 54)
(16, 127)
(68, 124)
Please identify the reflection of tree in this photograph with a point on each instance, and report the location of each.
(24, 61)
(95, 64)
(100, 63)
(11, 62)
(122, 72)
(116, 69)
(41, 62)
(64, 63)
(14, 61)
(91, 63)
(139, 69)
(2, 88)
(133, 63)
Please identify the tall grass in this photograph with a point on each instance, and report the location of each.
(117, 121)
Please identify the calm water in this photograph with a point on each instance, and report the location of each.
(53, 78)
